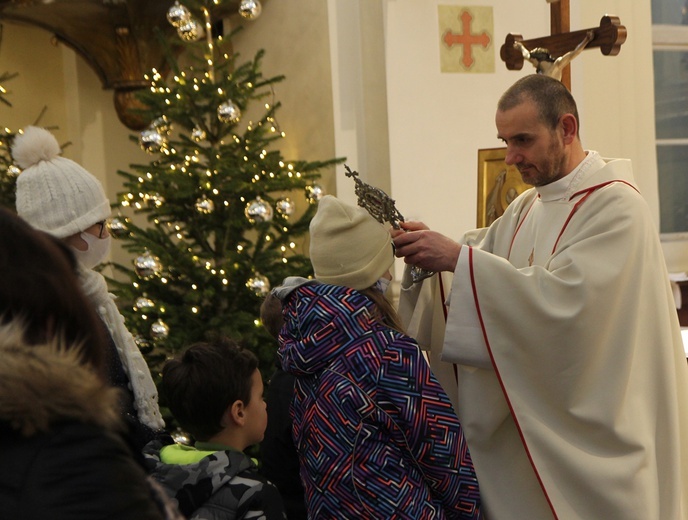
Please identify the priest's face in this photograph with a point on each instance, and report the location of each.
(535, 149)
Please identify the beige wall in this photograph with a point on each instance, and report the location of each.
(293, 34)
(438, 121)
(296, 42)
(363, 82)
(41, 83)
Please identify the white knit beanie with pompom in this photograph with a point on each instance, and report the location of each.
(55, 194)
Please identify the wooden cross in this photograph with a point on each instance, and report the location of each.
(609, 37)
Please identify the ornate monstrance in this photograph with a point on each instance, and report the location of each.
(383, 209)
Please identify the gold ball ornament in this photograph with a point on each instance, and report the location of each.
(13, 170)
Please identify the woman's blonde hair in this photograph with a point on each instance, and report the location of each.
(387, 314)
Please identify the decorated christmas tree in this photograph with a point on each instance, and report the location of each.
(8, 171)
(225, 213)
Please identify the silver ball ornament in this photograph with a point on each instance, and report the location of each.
(155, 200)
(228, 112)
(181, 437)
(143, 303)
(250, 9)
(205, 205)
(285, 207)
(258, 211)
(152, 141)
(314, 193)
(197, 134)
(118, 227)
(159, 330)
(161, 125)
(147, 266)
(178, 14)
(141, 342)
(259, 284)
(190, 31)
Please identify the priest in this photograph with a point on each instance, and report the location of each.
(572, 378)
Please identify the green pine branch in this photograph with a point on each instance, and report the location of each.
(201, 264)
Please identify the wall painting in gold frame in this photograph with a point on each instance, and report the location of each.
(498, 185)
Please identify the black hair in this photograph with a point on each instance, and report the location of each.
(39, 288)
(204, 381)
(550, 95)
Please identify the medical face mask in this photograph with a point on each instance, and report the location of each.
(382, 284)
(97, 250)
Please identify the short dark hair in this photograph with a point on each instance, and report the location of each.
(207, 378)
(271, 314)
(550, 95)
(39, 288)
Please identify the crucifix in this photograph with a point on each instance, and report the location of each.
(552, 54)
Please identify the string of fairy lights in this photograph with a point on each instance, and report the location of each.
(155, 139)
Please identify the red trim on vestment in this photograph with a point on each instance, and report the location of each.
(501, 383)
(587, 192)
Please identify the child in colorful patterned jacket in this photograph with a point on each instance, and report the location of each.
(376, 434)
(215, 391)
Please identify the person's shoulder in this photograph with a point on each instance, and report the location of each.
(94, 463)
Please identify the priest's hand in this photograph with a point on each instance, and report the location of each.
(420, 246)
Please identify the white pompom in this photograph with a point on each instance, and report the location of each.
(33, 146)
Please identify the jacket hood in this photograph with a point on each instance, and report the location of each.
(193, 483)
(44, 384)
(320, 321)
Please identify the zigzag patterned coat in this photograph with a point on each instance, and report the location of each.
(376, 434)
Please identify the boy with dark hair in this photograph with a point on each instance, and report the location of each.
(215, 391)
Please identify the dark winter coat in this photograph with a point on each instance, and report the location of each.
(61, 454)
(213, 485)
(280, 462)
(376, 434)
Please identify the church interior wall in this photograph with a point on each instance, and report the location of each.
(363, 82)
(438, 121)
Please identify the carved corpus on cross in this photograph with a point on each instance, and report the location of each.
(609, 37)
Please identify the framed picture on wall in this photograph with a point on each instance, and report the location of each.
(498, 185)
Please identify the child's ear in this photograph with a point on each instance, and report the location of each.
(234, 415)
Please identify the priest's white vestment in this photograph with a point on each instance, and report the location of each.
(572, 378)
